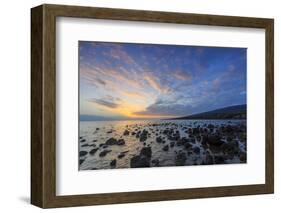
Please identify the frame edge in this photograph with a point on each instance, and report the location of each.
(43, 70)
(37, 189)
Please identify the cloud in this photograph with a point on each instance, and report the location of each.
(165, 108)
(180, 75)
(104, 103)
(159, 79)
(134, 95)
(153, 82)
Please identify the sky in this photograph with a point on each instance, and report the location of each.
(152, 81)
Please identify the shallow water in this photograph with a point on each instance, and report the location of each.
(95, 133)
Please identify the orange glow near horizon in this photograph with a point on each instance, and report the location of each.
(129, 110)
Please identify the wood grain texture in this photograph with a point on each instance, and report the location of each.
(43, 105)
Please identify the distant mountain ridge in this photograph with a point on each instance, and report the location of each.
(231, 112)
(98, 118)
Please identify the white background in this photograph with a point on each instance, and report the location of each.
(70, 181)
(15, 105)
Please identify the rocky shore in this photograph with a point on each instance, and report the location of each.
(158, 144)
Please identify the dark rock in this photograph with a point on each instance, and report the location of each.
(231, 148)
(174, 136)
(93, 151)
(113, 163)
(219, 160)
(143, 159)
(229, 139)
(139, 161)
(83, 140)
(180, 159)
(211, 126)
(155, 162)
(113, 141)
(172, 144)
(212, 140)
(81, 161)
(126, 132)
(104, 153)
(82, 153)
(159, 139)
(196, 150)
(121, 155)
(243, 157)
(143, 135)
(196, 131)
(138, 134)
(187, 145)
(97, 129)
(166, 148)
(182, 141)
(146, 151)
(121, 142)
(209, 160)
(191, 140)
(85, 145)
(229, 129)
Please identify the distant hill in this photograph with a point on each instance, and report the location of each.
(231, 112)
(98, 118)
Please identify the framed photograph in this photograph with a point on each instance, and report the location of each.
(136, 106)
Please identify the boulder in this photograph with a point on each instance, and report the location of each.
(219, 160)
(180, 159)
(166, 148)
(243, 157)
(155, 162)
(209, 160)
(159, 139)
(146, 151)
(113, 141)
(82, 153)
(196, 150)
(81, 161)
(139, 161)
(121, 141)
(212, 140)
(121, 155)
(187, 145)
(182, 141)
(93, 151)
(113, 163)
(143, 135)
(126, 132)
(143, 159)
(104, 153)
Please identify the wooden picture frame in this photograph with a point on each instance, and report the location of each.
(43, 105)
